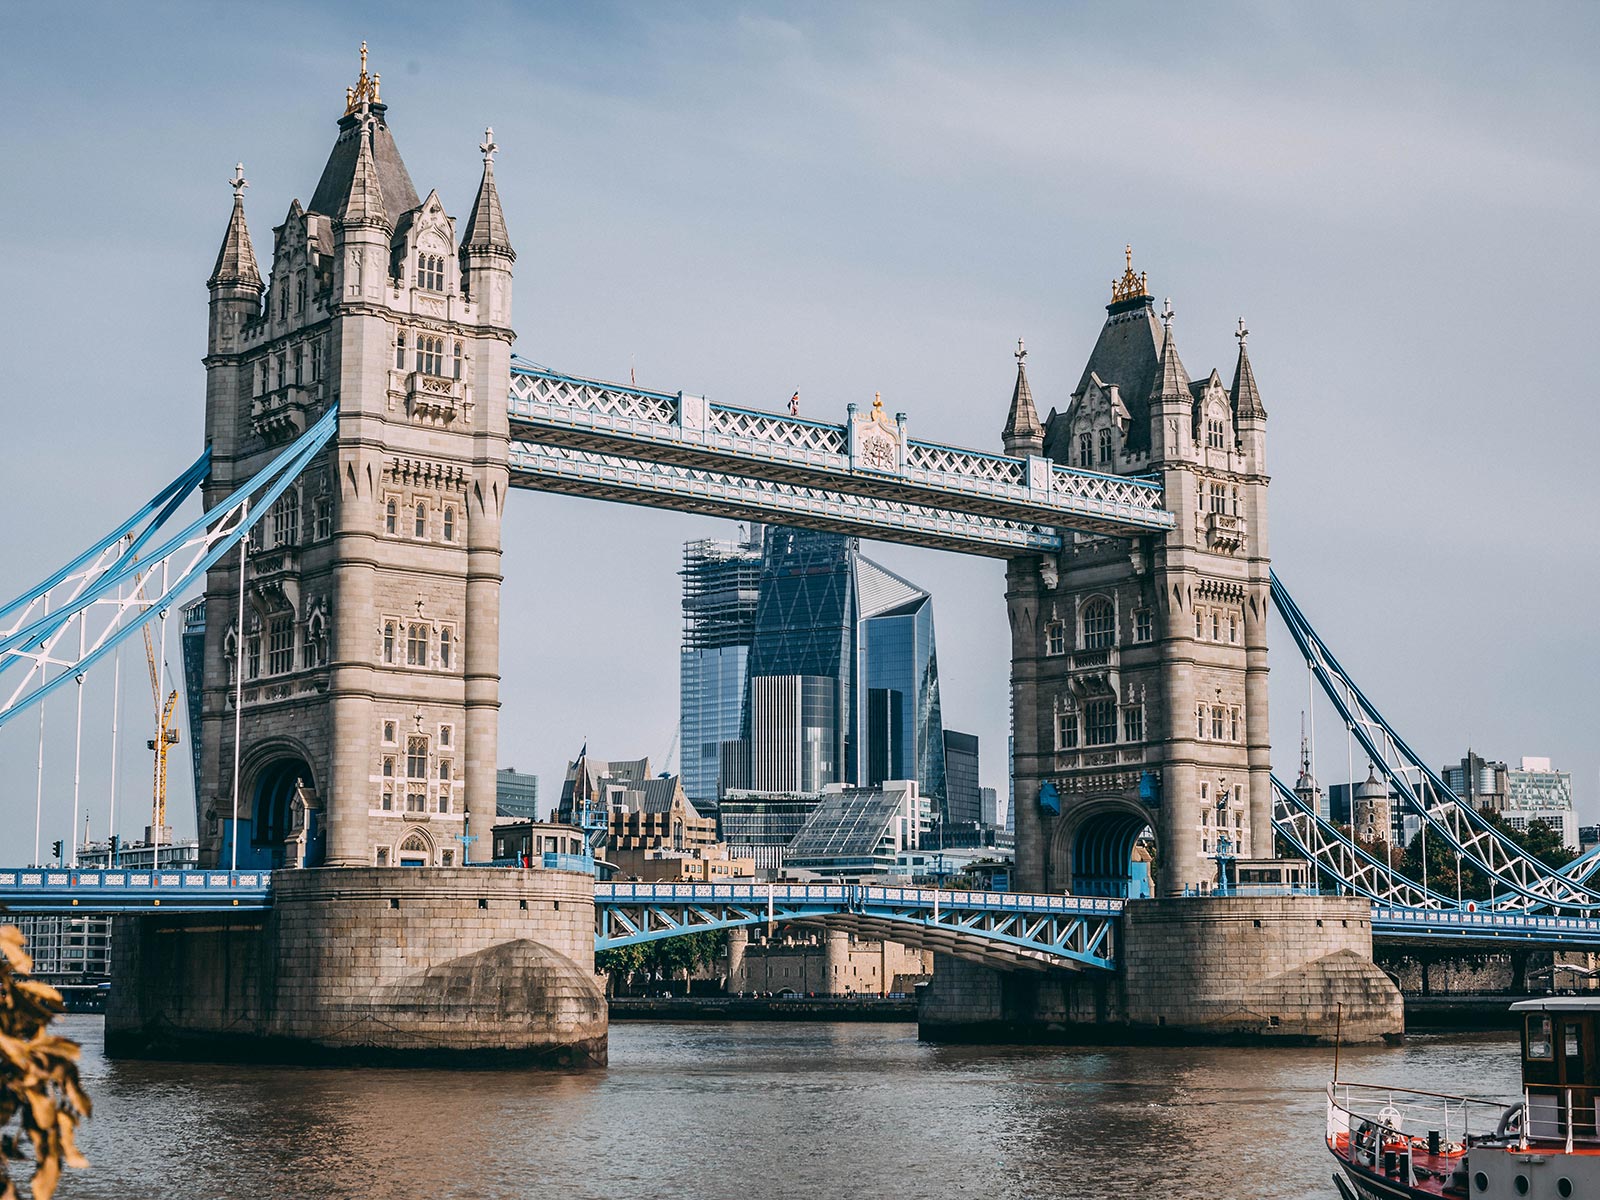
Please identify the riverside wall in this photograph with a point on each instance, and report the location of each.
(1295, 969)
(390, 965)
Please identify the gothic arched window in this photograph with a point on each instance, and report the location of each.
(1085, 451)
(457, 374)
(388, 641)
(449, 523)
(1216, 723)
(430, 272)
(420, 528)
(1215, 438)
(1200, 724)
(400, 350)
(430, 355)
(1105, 447)
(417, 646)
(1099, 625)
(444, 648)
(391, 514)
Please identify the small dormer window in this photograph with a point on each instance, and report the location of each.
(1085, 451)
(1105, 447)
(300, 293)
(430, 272)
(1215, 437)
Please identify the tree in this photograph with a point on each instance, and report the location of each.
(1540, 840)
(662, 958)
(38, 1075)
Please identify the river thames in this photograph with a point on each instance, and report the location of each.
(751, 1110)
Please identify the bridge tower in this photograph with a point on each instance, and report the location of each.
(370, 639)
(1139, 668)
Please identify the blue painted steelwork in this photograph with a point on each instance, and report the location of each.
(1535, 928)
(1528, 883)
(1006, 929)
(40, 890)
(128, 591)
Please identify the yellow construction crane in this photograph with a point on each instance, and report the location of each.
(166, 735)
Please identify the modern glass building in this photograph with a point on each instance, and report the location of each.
(721, 582)
(829, 620)
(963, 797)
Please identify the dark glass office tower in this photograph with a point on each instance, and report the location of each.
(838, 621)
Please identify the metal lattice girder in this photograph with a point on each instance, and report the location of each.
(40, 890)
(1546, 929)
(1003, 929)
(606, 418)
(1461, 827)
(573, 472)
(1346, 863)
(115, 588)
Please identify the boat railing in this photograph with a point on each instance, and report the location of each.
(1366, 1119)
(1567, 1116)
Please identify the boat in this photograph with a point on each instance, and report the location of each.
(1395, 1143)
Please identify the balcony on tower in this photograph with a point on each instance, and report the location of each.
(434, 398)
(1095, 672)
(1224, 531)
(284, 413)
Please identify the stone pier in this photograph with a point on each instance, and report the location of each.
(1293, 969)
(460, 966)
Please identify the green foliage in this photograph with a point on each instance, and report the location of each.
(1540, 839)
(665, 957)
(38, 1075)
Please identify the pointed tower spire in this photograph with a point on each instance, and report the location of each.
(236, 261)
(1022, 434)
(1246, 399)
(364, 203)
(486, 227)
(1172, 381)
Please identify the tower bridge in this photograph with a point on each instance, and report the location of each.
(365, 422)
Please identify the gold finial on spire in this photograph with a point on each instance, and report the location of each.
(365, 91)
(877, 402)
(1130, 286)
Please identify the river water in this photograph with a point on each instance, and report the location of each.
(751, 1110)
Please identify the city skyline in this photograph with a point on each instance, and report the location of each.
(854, 283)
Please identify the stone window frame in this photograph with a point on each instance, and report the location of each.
(1066, 728)
(380, 856)
(430, 355)
(431, 275)
(1200, 721)
(448, 519)
(448, 643)
(1133, 723)
(322, 518)
(252, 649)
(1086, 451)
(389, 733)
(1102, 634)
(1218, 723)
(1199, 623)
(1233, 629)
(1055, 637)
(387, 640)
(1143, 625)
(417, 640)
(400, 349)
(419, 520)
(1100, 722)
(391, 515)
(280, 643)
(447, 735)
(1105, 447)
(1234, 723)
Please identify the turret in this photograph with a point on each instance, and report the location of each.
(1171, 402)
(362, 228)
(1022, 435)
(235, 281)
(486, 253)
(1249, 417)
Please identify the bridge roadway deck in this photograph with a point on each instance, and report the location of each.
(1010, 930)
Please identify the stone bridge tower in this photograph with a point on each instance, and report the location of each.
(370, 639)
(1139, 667)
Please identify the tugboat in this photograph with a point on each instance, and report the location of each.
(1404, 1144)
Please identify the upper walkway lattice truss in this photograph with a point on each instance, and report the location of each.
(611, 441)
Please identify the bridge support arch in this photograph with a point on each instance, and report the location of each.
(1094, 849)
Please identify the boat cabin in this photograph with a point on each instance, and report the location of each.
(1560, 1072)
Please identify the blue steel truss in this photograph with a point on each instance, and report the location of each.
(120, 583)
(42, 890)
(1007, 930)
(815, 466)
(1528, 883)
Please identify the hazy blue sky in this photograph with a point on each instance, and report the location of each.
(742, 200)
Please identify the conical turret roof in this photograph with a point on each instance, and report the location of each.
(363, 202)
(1246, 399)
(486, 226)
(236, 261)
(1022, 422)
(1172, 381)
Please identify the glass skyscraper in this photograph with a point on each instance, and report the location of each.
(828, 620)
(720, 586)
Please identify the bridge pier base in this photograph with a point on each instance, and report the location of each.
(1278, 969)
(385, 965)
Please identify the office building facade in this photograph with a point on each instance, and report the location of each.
(721, 584)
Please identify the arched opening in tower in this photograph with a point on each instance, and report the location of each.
(286, 829)
(1112, 855)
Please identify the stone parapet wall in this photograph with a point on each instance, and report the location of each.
(371, 963)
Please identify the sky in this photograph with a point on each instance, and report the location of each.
(744, 200)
